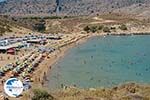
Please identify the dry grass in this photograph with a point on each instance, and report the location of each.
(129, 91)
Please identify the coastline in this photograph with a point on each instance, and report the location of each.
(129, 34)
(45, 67)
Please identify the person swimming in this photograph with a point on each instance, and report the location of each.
(146, 69)
(99, 80)
(94, 45)
(91, 57)
(101, 68)
(110, 65)
(84, 62)
(92, 78)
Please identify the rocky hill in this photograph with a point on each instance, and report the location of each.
(74, 7)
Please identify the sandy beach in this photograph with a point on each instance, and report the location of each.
(45, 67)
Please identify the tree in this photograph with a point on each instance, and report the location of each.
(113, 28)
(39, 27)
(93, 29)
(87, 29)
(100, 27)
(41, 95)
(123, 27)
(106, 29)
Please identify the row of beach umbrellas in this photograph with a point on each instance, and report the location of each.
(22, 67)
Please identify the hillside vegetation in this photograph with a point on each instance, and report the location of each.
(75, 24)
(129, 91)
(9, 24)
(124, 92)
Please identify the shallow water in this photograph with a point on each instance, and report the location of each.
(104, 62)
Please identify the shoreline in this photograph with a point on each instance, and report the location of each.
(61, 51)
(129, 34)
(55, 56)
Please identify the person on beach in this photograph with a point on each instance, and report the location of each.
(84, 62)
(1, 58)
(92, 78)
(44, 77)
(8, 58)
(39, 79)
(62, 86)
(42, 83)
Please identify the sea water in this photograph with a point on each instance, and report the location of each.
(104, 62)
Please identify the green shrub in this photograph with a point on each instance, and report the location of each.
(100, 27)
(41, 95)
(113, 28)
(123, 27)
(93, 29)
(40, 27)
(52, 17)
(87, 29)
(106, 29)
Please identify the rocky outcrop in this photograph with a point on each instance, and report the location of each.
(73, 7)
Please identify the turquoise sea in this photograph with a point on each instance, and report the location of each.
(104, 62)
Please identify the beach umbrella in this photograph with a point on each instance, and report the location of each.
(29, 69)
(5, 69)
(26, 61)
(17, 62)
(23, 74)
(17, 69)
(1, 70)
(9, 66)
(21, 66)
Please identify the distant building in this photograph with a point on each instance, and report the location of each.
(7, 47)
(37, 41)
(11, 51)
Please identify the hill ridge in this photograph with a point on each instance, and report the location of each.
(73, 7)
